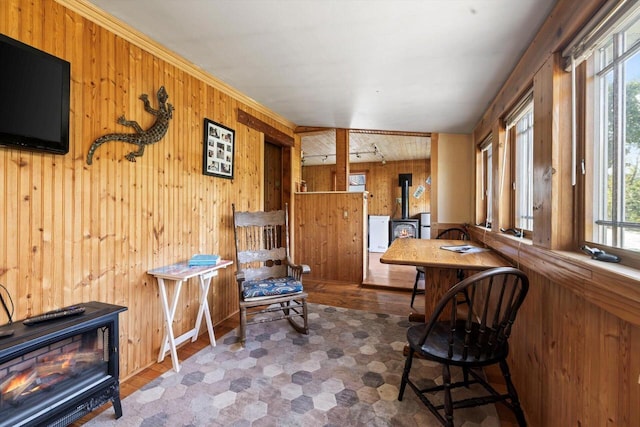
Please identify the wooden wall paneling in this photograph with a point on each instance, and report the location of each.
(329, 235)
(604, 393)
(563, 236)
(559, 369)
(107, 237)
(623, 370)
(128, 295)
(543, 179)
(84, 192)
(208, 237)
(527, 339)
(24, 246)
(631, 360)
(37, 222)
(553, 192)
(318, 178)
(156, 176)
(131, 221)
(46, 189)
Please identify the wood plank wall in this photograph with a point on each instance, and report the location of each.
(71, 232)
(330, 230)
(382, 184)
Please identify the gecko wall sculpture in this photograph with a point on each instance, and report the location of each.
(141, 137)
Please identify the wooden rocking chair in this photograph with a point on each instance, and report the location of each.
(269, 283)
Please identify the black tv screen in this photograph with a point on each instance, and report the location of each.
(34, 98)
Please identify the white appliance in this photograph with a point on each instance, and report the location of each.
(378, 233)
(425, 225)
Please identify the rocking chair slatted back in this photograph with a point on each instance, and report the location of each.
(262, 244)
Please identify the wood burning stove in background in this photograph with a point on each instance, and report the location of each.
(404, 227)
(55, 372)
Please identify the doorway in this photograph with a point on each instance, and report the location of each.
(273, 176)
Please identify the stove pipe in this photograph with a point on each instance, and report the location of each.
(404, 181)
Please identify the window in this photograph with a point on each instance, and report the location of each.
(486, 182)
(357, 182)
(520, 133)
(523, 184)
(616, 140)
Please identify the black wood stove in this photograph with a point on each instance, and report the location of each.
(55, 372)
(405, 227)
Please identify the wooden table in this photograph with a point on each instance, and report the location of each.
(440, 265)
(179, 273)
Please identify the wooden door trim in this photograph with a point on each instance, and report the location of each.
(276, 136)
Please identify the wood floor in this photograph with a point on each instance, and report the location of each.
(386, 289)
(389, 276)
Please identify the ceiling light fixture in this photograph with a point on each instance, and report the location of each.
(358, 154)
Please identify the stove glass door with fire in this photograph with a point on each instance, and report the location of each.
(57, 371)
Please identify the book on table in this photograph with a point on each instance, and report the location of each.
(463, 249)
(200, 260)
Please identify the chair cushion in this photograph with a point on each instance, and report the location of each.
(265, 288)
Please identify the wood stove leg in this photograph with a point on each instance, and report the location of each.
(117, 406)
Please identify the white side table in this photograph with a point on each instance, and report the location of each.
(179, 273)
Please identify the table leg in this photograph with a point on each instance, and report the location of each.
(437, 281)
(205, 284)
(169, 313)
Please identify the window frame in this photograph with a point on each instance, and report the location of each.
(357, 182)
(509, 165)
(523, 179)
(485, 182)
(592, 144)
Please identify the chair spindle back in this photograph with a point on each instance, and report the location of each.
(486, 318)
(262, 243)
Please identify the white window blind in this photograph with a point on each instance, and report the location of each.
(612, 15)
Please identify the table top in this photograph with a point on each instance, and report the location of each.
(182, 271)
(429, 253)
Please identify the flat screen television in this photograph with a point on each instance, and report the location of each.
(34, 98)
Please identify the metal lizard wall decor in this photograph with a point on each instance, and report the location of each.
(142, 137)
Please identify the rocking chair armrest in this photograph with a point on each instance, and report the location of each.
(240, 276)
(300, 268)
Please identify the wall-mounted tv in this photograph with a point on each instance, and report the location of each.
(34, 98)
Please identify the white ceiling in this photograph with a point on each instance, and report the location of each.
(403, 65)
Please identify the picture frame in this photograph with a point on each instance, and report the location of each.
(218, 150)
